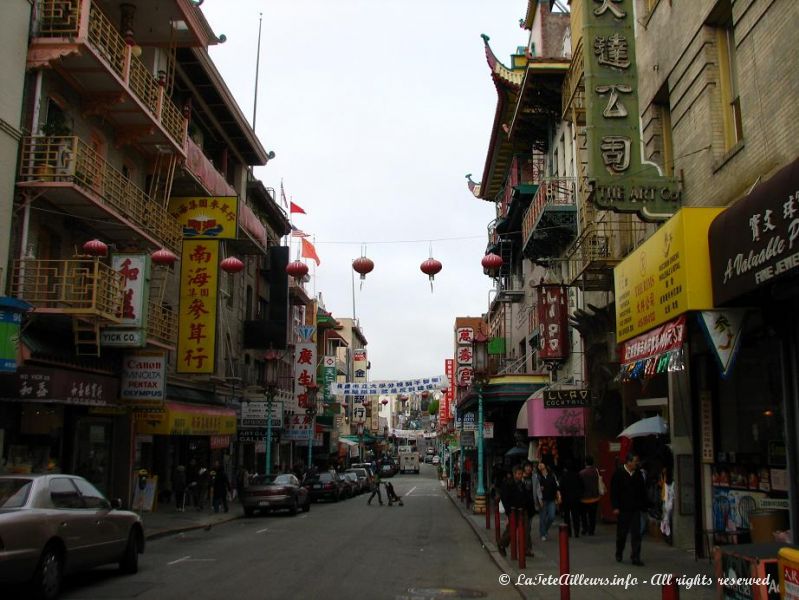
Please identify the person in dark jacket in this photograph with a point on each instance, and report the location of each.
(591, 496)
(179, 483)
(628, 498)
(546, 500)
(528, 477)
(571, 491)
(221, 487)
(513, 496)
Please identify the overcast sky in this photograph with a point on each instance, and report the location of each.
(376, 109)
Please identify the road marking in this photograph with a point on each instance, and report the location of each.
(174, 562)
(410, 491)
(262, 530)
(190, 559)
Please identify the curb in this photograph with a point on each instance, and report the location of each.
(162, 533)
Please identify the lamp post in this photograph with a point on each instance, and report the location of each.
(272, 367)
(480, 363)
(311, 390)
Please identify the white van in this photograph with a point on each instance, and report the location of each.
(409, 462)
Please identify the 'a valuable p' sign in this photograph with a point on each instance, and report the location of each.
(566, 398)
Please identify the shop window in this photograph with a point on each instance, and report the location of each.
(663, 115)
(732, 123)
(64, 494)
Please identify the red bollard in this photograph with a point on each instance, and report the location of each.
(520, 524)
(512, 517)
(670, 590)
(497, 521)
(563, 539)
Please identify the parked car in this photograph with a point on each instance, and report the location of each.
(325, 486)
(351, 485)
(428, 459)
(364, 478)
(367, 466)
(52, 525)
(436, 460)
(388, 468)
(271, 492)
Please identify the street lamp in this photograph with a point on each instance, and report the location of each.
(272, 368)
(480, 364)
(311, 390)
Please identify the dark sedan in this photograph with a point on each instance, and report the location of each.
(325, 486)
(271, 492)
(51, 525)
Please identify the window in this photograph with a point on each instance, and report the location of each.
(14, 492)
(64, 494)
(92, 497)
(732, 123)
(248, 304)
(665, 149)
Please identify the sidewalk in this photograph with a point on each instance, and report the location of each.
(166, 520)
(593, 557)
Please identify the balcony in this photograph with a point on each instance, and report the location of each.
(78, 40)
(162, 326)
(205, 173)
(573, 90)
(550, 225)
(79, 181)
(77, 287)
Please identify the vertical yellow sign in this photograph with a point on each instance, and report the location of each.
(199, 283)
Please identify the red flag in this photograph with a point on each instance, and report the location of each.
(296, 209)
(308, 251)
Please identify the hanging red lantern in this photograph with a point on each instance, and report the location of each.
(163, 257)
(297, 269)
(95, 248)
(232, 265)
(431, 268)
(491, 262)
(363, 265)
(384, 402)
(425, 395)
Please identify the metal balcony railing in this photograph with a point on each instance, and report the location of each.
(573, 88)
(75, 287)
(70, 160)
(62, 19)
(553, 191)
(162, 324)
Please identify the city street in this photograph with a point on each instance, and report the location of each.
(337, 550)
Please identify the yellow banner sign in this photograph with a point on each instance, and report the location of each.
(187, 420)
(666, 276)
(199, 282)
(213, 217)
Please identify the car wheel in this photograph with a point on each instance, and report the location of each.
(47, 578)
(129, 564)
(293, 507)
(248, 512)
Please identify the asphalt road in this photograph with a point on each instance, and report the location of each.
(420, 551)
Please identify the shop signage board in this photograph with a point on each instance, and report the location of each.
(553, 422)
(668, 275)
(405, 386)
(299, 427)
(488, 430)
(304, 371)
(143, 381)
(206, 217)
(448, 396)
(469, 422)
(63, 386)
(566, 398)
(619, 179)
(464, 376)
(256, 415)
(135, 269)
(186, 419)
(9, 340)
(199, 282)
(706, 420)
(723, 330)
(329, 376)
(755, 242)
(552, 306)
(122, 338)
(464, 335)
(658, 341)
(468, 439)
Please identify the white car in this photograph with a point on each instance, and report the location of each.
(436, 460)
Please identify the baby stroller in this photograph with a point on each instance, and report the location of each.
(392, 495)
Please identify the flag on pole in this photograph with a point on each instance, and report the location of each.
(297, 232)
(296, 209)
(308, 251)
(283, 195)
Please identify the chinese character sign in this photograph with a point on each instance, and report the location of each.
(553, 312)
(206, 218)
(464, 335)
(304, 371)
(136, 270)
(199, 282)
(449, 394)
(620, 180)
(329, 374)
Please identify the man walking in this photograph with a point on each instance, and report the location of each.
(513, 497)
(545, 500)
(528, 478)
(628, 498)
(376, 489)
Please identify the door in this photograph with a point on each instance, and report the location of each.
(74, 524)
(111, 534)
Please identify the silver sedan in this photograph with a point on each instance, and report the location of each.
(51, 525)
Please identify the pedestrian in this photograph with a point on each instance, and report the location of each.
(193, 480)
(571, 493)
(203, 480)
(376, 489)
(513, 497)
(221, 487)
(528, 477)
(242, 482)
(179, 483)
(592, 492)
(628, 498)
(391, 495)
(546, 498)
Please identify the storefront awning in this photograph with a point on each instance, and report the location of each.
(347, 442)
(179, 418)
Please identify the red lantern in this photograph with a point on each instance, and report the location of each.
(431, 267)
(425, 394)
(163, 257)
(95, 248)
(491, 262)
(297, 269)
(384, 402)
(232, 265)
(363, 266)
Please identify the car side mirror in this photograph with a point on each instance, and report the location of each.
(116, 503)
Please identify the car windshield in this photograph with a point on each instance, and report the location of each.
(269, 479)
(325, 477)
(358, 472)
(14, 492)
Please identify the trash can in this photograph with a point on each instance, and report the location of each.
(763, 524)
